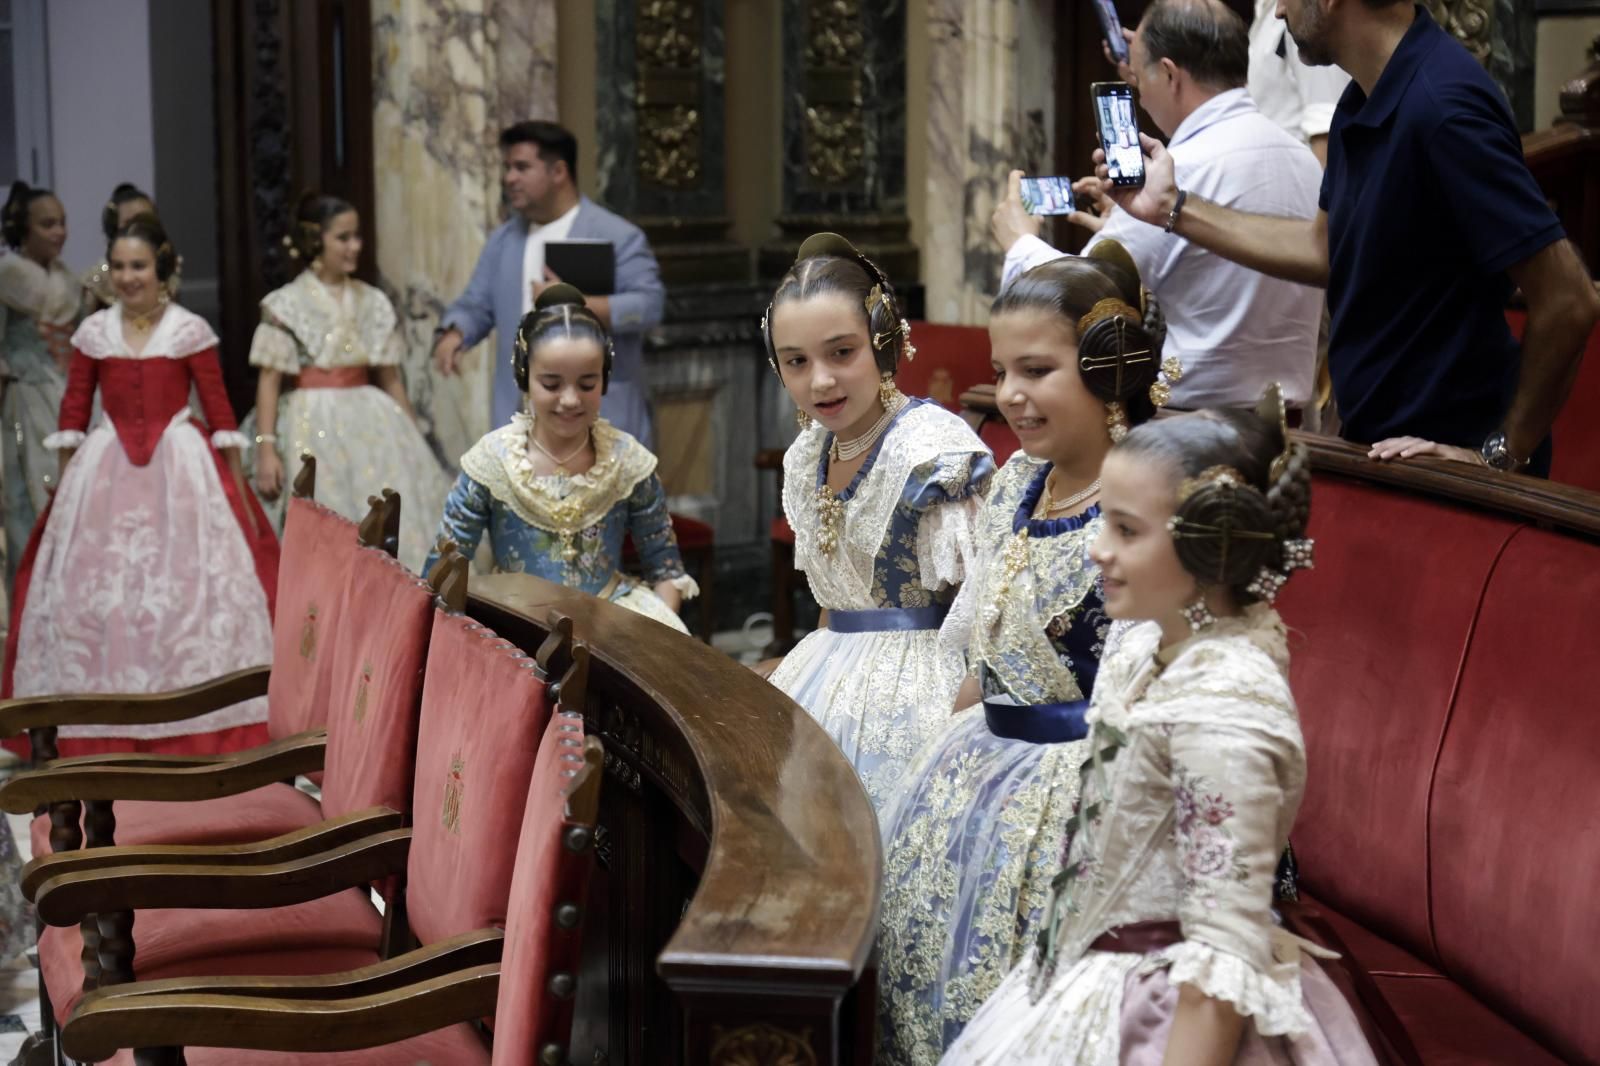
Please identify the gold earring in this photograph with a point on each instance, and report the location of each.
(802, 420)
(1116, 421)
(888, 392)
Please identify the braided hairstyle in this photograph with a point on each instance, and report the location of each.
(560, 311)
(313, 216)
(126, 193)
(14, 218)
(1244, 492)
(148, 228)
(1119, 348)
(829, 263)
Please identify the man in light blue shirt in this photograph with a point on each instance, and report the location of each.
(540, 167)
(1233, 329)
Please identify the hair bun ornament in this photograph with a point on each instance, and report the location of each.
(827, 244)
(289, 246)
(558, 294)
(1115, 359)
(1222, 529)
(1112, 251)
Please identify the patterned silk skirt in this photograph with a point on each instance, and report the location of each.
(879, 695)
(972, 838)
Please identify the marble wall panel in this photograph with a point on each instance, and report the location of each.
(448, 76)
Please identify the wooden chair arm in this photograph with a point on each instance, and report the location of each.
(302, 843)
(102, 1025)
(65, 900)
(280, 760)
(34, 712)
(481, 947)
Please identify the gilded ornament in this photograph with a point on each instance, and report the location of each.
(830, 519)
(761, 1045)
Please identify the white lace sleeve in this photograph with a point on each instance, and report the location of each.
(945, 542)
(64, 438)
(273, 348)
(229, 438)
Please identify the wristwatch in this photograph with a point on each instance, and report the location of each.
(1496, 454)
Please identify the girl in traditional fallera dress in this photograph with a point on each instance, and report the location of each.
(882, 493)
(153, 567)
(972, 835)
(560, 488)
(40, 302)
(1159, 944)
(336, 340)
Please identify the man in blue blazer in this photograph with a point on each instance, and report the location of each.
(539, 176)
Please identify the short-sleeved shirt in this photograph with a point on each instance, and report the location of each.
(1429, 201)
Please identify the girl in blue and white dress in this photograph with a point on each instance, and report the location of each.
(973, 834)
(881, 492)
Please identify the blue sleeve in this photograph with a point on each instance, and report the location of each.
(473, 311)
(651, 527)
(636, 305)
(1499, 213)
(466, 515)
(952, 476)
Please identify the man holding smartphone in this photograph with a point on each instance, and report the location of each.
(1428, 216)
(1233, 329)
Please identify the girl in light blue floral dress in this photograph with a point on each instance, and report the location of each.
(560, 488)
(881, 492)
(973, 834)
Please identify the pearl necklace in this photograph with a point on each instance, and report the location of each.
(560, 461)
(1053, 505)
(848, 450)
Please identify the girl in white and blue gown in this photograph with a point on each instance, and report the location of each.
(973, 834)
(881, 492)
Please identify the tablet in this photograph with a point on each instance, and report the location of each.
(590, 265)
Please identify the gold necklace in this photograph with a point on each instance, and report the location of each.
(146, 320)
(560, 461)
(1053, 505)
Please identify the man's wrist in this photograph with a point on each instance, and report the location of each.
(1175, 210)
(442, 329)
(1497, 453)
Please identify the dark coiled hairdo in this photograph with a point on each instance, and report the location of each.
(14, 219)
(560, 311)
(1229, 527)
(1119, 355)
(828, 263)
(127, 192)
(311, 219)
(148, 228)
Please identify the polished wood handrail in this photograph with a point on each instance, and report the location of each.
(786, 906)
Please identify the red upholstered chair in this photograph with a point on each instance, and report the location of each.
(370, 750)
(417, 1007)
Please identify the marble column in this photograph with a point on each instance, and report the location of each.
(448, 76)
(988, 95)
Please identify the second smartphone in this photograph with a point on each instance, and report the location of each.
(1119, 132)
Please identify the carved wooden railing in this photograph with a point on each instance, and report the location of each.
(739, 859)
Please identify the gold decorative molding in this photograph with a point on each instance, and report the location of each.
(669, 145)
(1469, 21)
(761, 1045)
(668, 58)
(835, 53)
(834, 150)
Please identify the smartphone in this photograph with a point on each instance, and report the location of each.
(1047, 196)
(1111, 26)
(1119, 131)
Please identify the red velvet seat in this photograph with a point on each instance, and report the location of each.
(459, 1045)
(949, 361)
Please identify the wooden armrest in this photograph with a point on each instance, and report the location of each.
(302, 753)
(138, 758)
(480, 947)
(302, 843)
(981, 398)
(65, 899)
(34, 712)
(102, 1025)
(769, 459)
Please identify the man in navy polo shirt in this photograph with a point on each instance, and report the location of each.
(1428, 217)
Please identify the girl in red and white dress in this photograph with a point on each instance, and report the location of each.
(153, 568)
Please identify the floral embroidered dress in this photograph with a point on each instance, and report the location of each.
(884, 556)
(150, 571)
(1196, 772)
(569, 529)
(973, 834)
(364, 441)
(39, 309)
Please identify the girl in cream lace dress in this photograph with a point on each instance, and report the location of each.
(973, 835)
(559, 490)
(881, 492)
(336, 339)
(1159, 943)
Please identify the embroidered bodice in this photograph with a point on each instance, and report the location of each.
(566, 529)
(1194, 779)
(144, 394)
(902, 529)
(38, 309)
(1030, 618)
(305, 324)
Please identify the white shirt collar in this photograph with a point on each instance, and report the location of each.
(1221, 107)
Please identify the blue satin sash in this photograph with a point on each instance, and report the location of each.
(1038, 723)
(888, 619)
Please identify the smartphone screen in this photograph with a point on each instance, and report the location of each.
(1111, 26)
(1119, 132)
(1047, 196)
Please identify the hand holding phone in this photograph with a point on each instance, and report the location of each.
(1119, 132)
(1111, 26)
